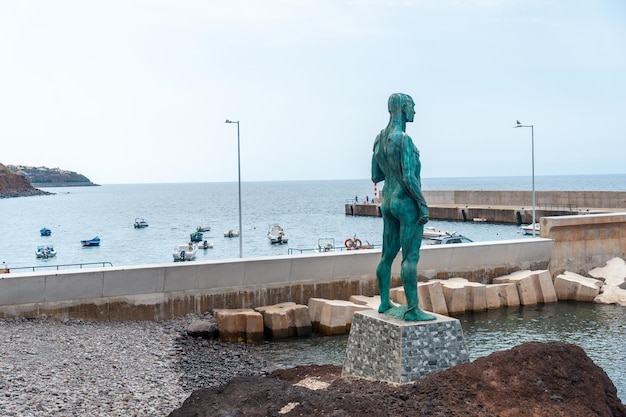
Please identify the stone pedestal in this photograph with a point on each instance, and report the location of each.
(384, 348)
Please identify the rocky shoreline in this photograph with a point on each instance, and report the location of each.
(73, 367)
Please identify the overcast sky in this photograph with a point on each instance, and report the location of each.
(134, 91)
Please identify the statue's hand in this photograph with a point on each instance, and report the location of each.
(423, 215)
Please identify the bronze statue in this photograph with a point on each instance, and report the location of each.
(404, 210)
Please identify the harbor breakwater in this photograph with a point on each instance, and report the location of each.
(506, 206)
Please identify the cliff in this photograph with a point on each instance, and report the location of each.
(50, 177)
(14, 185)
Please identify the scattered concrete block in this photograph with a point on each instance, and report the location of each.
(430, 295)
(502, 295)
(525, 282)
(571, 286)
(284, 320)
(336, 317)
(371, 302)
(398, 296)
(475, 296)
(614, 276)
(454, 294)
(545, 286)
(315, 312)
(204, 329)
(239, 325)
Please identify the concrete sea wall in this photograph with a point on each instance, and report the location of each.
(151, 292)
(154, 292)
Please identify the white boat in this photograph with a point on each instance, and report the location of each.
(205, 245)
(528, 229)
(231, 233)
(203, 229)
(45, 251)
(433, 232)
(185, 252)
(140, 223)
(276, 234)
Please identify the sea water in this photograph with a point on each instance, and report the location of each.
(307, 210)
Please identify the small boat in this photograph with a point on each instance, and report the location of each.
(432, 232)
(276, 234)
(231, 233)
(91, 242)
(479, 219)
(45, 251)
(203, 229)
(44, 231)
(185, 252)
(196, 237)
(140, 223)
(528, 229)
(205, 245)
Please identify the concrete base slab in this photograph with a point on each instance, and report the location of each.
(382, 347)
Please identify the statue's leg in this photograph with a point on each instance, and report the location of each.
(411, 241)
(391, 246)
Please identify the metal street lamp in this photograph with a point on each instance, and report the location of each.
(239, 183)
(532, 136)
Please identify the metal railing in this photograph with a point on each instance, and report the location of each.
(292, 251)
(57, 267)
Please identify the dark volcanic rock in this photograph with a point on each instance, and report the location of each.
(14, 185)
(532, 379)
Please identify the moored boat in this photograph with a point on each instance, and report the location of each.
(45, 251)
(528, 229)
(186, 252)
(205, 245)
(203, 229)
(231, 233)
(276, 234)
(196, 237)
(140, 223)
(44, 231)
(91, 242)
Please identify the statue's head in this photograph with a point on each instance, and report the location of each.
(401, 104)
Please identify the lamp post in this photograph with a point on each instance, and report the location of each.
(239, 184)
(532, 138)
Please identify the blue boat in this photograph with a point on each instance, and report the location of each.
(91, 242)
(45, 231)
(196, 237)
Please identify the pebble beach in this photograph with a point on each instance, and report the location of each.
(51, 367)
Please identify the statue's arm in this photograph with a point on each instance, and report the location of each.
(377, 174)
(411, 168)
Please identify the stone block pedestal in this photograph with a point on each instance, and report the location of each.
(384, 348)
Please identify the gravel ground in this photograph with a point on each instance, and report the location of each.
(50, 367)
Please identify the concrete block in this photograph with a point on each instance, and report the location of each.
(571, 286)
(432, 294)
(239, 325)
(337, 315)
(506, 293)
(454, 294)
(546, 286)
(397, 296)
(475, 296)
(315, 311)
(371, 302)
(526, 287)
(284, 320)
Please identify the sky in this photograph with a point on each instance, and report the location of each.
(136, 91)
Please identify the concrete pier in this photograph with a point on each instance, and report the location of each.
(511, 207)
